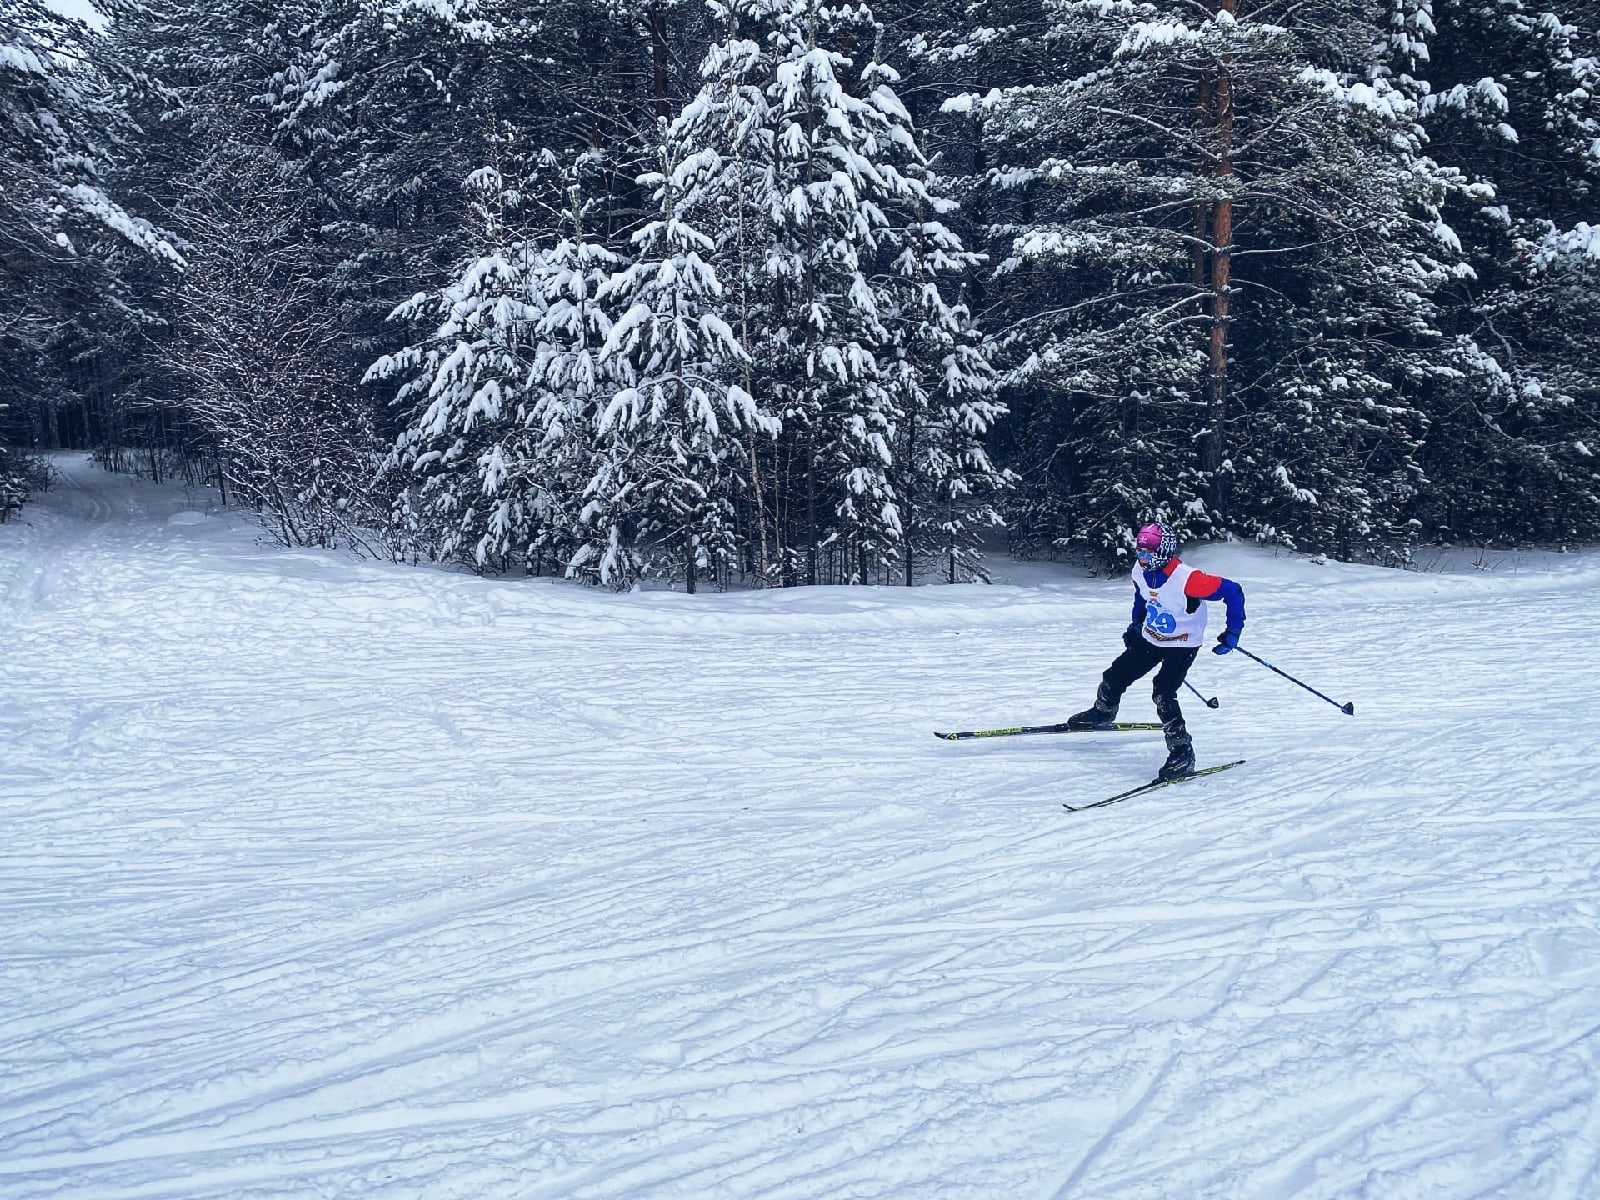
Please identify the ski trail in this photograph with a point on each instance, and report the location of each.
(335, 878)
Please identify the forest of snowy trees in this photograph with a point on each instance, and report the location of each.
(744, 292)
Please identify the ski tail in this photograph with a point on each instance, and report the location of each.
(1014, 730)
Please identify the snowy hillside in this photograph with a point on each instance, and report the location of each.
(326, 879)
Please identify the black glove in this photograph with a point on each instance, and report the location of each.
(1130, 637)
(1226, 641)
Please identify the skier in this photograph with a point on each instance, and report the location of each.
(1165, 633)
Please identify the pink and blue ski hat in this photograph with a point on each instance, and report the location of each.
(1155, 544)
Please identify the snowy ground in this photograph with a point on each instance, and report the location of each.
(323, 879)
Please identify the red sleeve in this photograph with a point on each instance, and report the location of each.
(1202, 586)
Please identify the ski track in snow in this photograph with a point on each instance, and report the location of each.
(336, 879)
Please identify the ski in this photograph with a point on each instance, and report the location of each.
(1119, 727)
(1153, 785)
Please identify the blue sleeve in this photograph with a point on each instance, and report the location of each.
(1232, 596)
(1138, 607)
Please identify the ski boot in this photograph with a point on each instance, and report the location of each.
(1180, 763)
(1101, 715)
(1180, 746)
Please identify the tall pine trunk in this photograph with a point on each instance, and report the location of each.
(1221, 266)
(908, 473)
(762, 553)
(658, 59)
(1200, 254)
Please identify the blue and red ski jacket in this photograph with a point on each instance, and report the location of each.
(1200, 587)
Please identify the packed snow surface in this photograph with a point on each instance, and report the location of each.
(331, 879)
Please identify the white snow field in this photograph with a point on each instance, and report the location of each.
(331, 879)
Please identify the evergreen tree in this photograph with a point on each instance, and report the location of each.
(60, 122)
(501, 401)
(815, 208)
(672, 440)
(66, 238)
(382, 119)
(947, 390)
(1510, 94)
(1325, 277)
(1236, 238)
(395, 106)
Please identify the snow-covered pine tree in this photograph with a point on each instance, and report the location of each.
(730, 116)
(672, 441)
(1510, 93)
(953, 55)
(501, 399)
(60, 120)
(66, 238)
(395, 104)
(819, 221)
(946, 391)
(1224, 236)
(392, 107)
(813, 207)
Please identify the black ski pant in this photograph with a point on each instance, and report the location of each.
(1136, 662)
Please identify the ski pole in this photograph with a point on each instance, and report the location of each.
(1348, 708)
(1211, 703)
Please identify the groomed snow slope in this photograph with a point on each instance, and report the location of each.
(323, 879)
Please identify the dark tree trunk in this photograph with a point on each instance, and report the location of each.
(658, 61)
(1221, 266)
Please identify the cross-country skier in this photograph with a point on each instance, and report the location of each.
(1168, 628)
